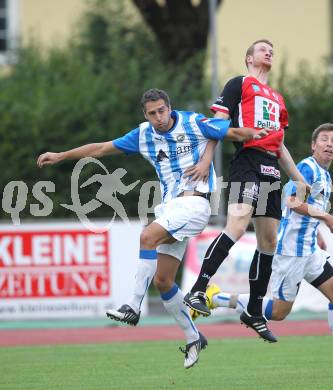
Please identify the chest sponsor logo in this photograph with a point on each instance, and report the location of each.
(180, 137)
(161, 156)
(270, 171)
(179, 151)
(267, 113)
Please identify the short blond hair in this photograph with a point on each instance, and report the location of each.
(250, 50)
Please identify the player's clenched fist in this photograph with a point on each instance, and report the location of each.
(48, 158)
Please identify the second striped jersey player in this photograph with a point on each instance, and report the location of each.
(298, 233)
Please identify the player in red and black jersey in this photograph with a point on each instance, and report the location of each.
(254, 182)
(246, 100)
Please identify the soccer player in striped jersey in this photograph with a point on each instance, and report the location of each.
(171, 141)
(299, 254)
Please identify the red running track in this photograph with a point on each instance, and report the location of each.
(120, 334)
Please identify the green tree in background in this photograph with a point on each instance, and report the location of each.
(181, 29)
(309, 99)
(88, 91)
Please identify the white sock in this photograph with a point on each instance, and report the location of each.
(174, 305)
(242, 301)
(221, 299)
(330, 316)
(231, 301)
(239, 303)
(144, 275)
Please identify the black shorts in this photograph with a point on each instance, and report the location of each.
(255, 180)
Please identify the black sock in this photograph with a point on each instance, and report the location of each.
(259, 274)
(216, 253)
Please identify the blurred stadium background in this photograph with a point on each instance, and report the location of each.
(73, 72)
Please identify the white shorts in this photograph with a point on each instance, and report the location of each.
(182, 217)
(289, 271)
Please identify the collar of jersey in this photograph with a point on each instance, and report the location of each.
(317, 163)
(175, 116)
(258, 81)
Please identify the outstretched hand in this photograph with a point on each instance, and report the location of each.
(48, 158)
(262, 133)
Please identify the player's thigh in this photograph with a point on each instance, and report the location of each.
(269, 199)
(184, 217)
(155, 234)
(266, 232)
(320, 273)
(281, 309)
(327, 288)
(286, 278)
(238, 219)
(176, 249)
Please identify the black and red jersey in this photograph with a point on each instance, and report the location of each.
(249, 103)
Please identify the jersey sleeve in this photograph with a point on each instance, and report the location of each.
(129, 143)
(213, 128)
(306, 172)
(230, 97)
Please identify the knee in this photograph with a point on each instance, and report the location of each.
(268, 244)
(272, 242)
(279, 315)
(146, 240)
(239, 232)
(236, 231)
(162, 283)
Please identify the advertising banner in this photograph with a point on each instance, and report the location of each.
(64, 270)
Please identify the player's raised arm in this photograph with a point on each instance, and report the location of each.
(200, 171)
(294, 203)
(221, 115)
(217, 128)
(128, 143)
(287, 163)
(240, 134)
(90, 150)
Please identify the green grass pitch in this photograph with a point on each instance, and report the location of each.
(293, 363)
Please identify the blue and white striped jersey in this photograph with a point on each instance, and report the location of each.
(172, 152)
(298, 233)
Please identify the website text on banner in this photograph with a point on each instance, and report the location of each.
(59, 270)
